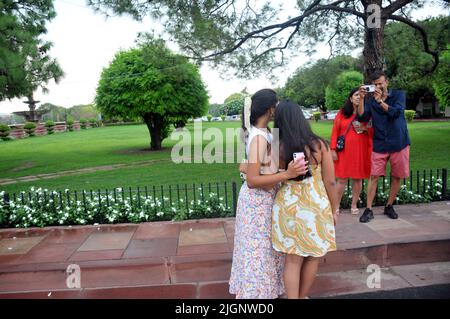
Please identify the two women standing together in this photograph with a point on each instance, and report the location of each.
(285, 215)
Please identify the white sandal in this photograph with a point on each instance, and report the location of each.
(355, 211)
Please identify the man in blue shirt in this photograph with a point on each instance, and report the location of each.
(391, 141)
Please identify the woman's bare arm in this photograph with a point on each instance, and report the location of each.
(329, 178)
(258, 147)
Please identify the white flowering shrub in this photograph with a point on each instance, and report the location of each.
(404, 196)
(45, 208)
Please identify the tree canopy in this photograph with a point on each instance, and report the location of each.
(154, 84)
(442, 80)
(216, 109)
(25, 63)
(307, 85)
(252, 37)
(234, 103)
(337, 92)
(406, 60)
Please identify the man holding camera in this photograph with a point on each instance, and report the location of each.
(390, 140)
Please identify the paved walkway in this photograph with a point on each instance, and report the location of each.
(192, 259)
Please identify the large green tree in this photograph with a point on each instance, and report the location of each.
(253, 37)
(54, 112)
(25, 63)
(216, 109)
(337, 92)
(307, 85)
(83, 111)
(441, 83)
(234, 103)
(154, 84)
(406, 60)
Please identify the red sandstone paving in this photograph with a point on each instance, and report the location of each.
(160, 247)
(190, 237)
(122, 255)
(96, 255)
(157, 230)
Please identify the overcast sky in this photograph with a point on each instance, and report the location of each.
(85, 42)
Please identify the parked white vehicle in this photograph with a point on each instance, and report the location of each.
(233, 117)
(307, 114)
(332, 114)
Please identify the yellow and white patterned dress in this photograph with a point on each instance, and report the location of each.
(302, 220)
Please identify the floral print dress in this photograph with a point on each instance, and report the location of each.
(257, 269)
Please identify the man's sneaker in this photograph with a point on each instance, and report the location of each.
(389, 210)
(366, 216)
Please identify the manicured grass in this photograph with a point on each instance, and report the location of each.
(126, 145)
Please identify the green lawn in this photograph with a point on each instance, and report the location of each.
(126, 144)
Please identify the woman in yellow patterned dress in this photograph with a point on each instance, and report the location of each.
(303, 220)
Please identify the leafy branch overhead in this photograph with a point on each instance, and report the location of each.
(25, 63)
(253, 37)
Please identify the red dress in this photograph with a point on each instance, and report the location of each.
(354, 160)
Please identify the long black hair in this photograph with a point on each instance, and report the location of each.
(295, 132)
(262, 101)
(347, 109)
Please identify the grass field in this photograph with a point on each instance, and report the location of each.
(127, 145)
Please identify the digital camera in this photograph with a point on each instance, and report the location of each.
(369, 88)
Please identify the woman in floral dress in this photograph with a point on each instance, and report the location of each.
(304, 212)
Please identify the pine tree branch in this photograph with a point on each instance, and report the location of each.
(294, 22)
(424, 36)
(389, 10)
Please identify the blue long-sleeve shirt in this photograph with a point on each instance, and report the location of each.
(390, 129)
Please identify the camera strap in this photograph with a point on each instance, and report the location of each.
(351, 122)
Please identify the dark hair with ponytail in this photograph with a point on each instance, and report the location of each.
(262, 101)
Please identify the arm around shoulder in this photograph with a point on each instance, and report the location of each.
(328, 176)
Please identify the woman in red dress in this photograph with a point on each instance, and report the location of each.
(354, 160)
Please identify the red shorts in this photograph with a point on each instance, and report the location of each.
(399, 163)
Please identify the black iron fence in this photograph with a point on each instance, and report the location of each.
(419, 182)
(182, 196)
(432, 184)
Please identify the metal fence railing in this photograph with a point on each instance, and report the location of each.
(432, 183)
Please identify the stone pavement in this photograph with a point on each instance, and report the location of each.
(192, 259)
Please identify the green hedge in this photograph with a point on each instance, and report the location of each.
(409, 115)
(29, 127)
(69, 124)
(316, 116)
(83, 123)
(50, 125)
(4, 132)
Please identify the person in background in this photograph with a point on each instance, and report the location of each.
(354, 160)
(391, 141)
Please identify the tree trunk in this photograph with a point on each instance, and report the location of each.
(155, 127)
(373, 52)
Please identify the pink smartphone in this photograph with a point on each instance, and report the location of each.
(298, 156)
